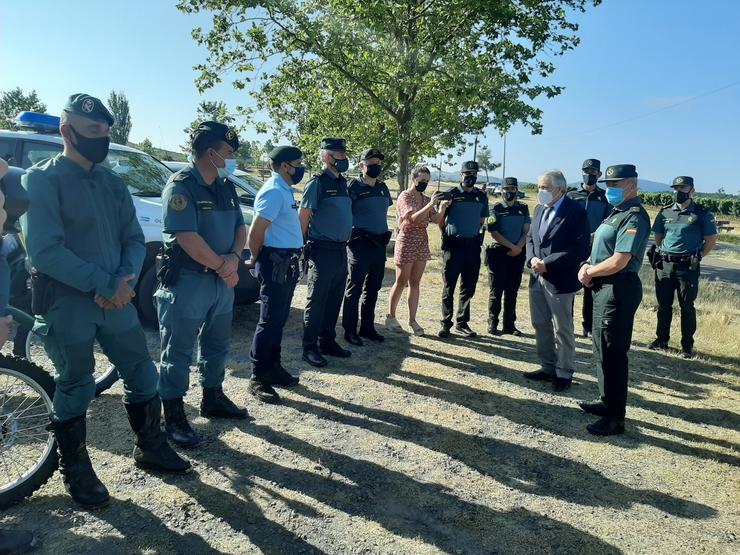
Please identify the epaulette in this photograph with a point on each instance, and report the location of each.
(636, 209)
(182, 175)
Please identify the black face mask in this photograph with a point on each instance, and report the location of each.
(341, 165)
(373, 170)
(94, 150)
(421, 186)
(590, 179)
(469, 180)
(509, 195)
(682, 197)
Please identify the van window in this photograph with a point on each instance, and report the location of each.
(7, 151)
(34, 152)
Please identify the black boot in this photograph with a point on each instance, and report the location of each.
(16, 541)
(215, 404)
(176, 424)
(74, 463)
(152, 450)
(280, 376)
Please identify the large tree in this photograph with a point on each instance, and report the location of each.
(218, 111)
(409, 76)
(484, 161)
(118, 105)
(13, 102)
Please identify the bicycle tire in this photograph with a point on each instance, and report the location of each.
(41, 383)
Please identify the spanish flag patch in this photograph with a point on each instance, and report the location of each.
(631, 231)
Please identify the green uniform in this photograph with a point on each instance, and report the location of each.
(81, 230)
(677, 270)
(198, 304)
(616, 298)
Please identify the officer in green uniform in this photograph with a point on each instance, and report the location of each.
(326, 221)
(685, 232)
(593, 199)
(462, 238)
(366, 249)
(508, 225)
(87, 249)
(612, 272)
(204, 237)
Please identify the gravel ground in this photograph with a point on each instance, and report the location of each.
(423, 446)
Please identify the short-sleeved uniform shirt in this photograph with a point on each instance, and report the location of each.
(465, 212)
(211, 211)
(275, 203)
(509, 221)
(595, 203)
(370, 206)
(684, 230)
(328, 197)
(626, 229)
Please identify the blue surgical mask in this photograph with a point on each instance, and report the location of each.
(341, 165)
(614, 195)
(228, 169)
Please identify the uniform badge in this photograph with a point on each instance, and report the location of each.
(491, 220)
(178, 202)
(230, 135)
(88, 105)
(631, 231)
(679, 181)
(692, 219)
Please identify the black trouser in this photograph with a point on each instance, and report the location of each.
(366, 271)
(274, 310)
(461, 259)
(588, 310)
(672, 277)
(616, 299)
(504, 279)
(327, 274)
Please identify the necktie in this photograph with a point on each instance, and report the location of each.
(545, 222)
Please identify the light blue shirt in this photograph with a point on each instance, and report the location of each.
(275, 203)
(549, 215)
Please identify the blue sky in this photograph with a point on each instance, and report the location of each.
(635, 57)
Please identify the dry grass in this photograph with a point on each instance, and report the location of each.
(427, 446)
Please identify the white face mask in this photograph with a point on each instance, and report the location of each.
(544, 197)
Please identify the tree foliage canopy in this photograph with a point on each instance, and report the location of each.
(14, 101)
(118, 105)
(411, 77)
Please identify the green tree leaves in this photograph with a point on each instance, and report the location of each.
(118, 105)
(13, 102)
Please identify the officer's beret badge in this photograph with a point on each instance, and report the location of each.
(610, 171)
(88, 105)
(679, 180)
(230, 135)
(178, 202)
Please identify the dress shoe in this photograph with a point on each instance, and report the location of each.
(606, 426)
(596, 407)
(280, 376)
(561, 384)
(352, 338)
(372, 335)
(464, 329)
(539, 376)
(334, 350)
(443, 332)
(215, 404)
(658, 345)
(263, 391)
(688, 353)
(314, 358)
(513, 331)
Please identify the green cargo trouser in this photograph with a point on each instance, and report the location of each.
(70, 329)
(616, 299)
(670, 278)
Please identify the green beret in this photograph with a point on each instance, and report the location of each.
(591, 163)
(470, 166)
(372, 153)
(511, 182)
(333, 143)
(682, 181)
(90, 107)
(619, 172)
(219, 131)
(285, 153)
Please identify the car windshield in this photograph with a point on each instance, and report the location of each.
(143, 174)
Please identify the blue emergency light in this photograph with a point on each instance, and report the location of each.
(41, 123)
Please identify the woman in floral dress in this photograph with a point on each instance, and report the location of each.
(414, 212)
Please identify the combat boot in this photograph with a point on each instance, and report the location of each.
(215, 404)
(176, 424)
(17, 541)
(152, 450)
(77, 471)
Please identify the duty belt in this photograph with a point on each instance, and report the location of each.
(676, 257)
(614, 278)
(332, 245)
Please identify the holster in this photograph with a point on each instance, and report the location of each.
(380, 240)
(653, 256)
(284, 266)
(170, 261)
(45, 290)
(305, 256)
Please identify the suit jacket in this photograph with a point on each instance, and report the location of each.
(563, 247)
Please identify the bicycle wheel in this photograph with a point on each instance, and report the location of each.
(28, 454)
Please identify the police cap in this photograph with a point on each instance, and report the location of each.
(591, 163)
(219, 131)
(619, 172)
(511, 182)
(372, 153)
(285, 153)
(469, 166)
(682, 181)
(333, 143)
(90, 107)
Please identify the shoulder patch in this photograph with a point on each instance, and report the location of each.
(636, 209)
(491, 220)
(178, 202)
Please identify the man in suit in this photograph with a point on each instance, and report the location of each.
(556, 245)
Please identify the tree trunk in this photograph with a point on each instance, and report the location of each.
(404, 147)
